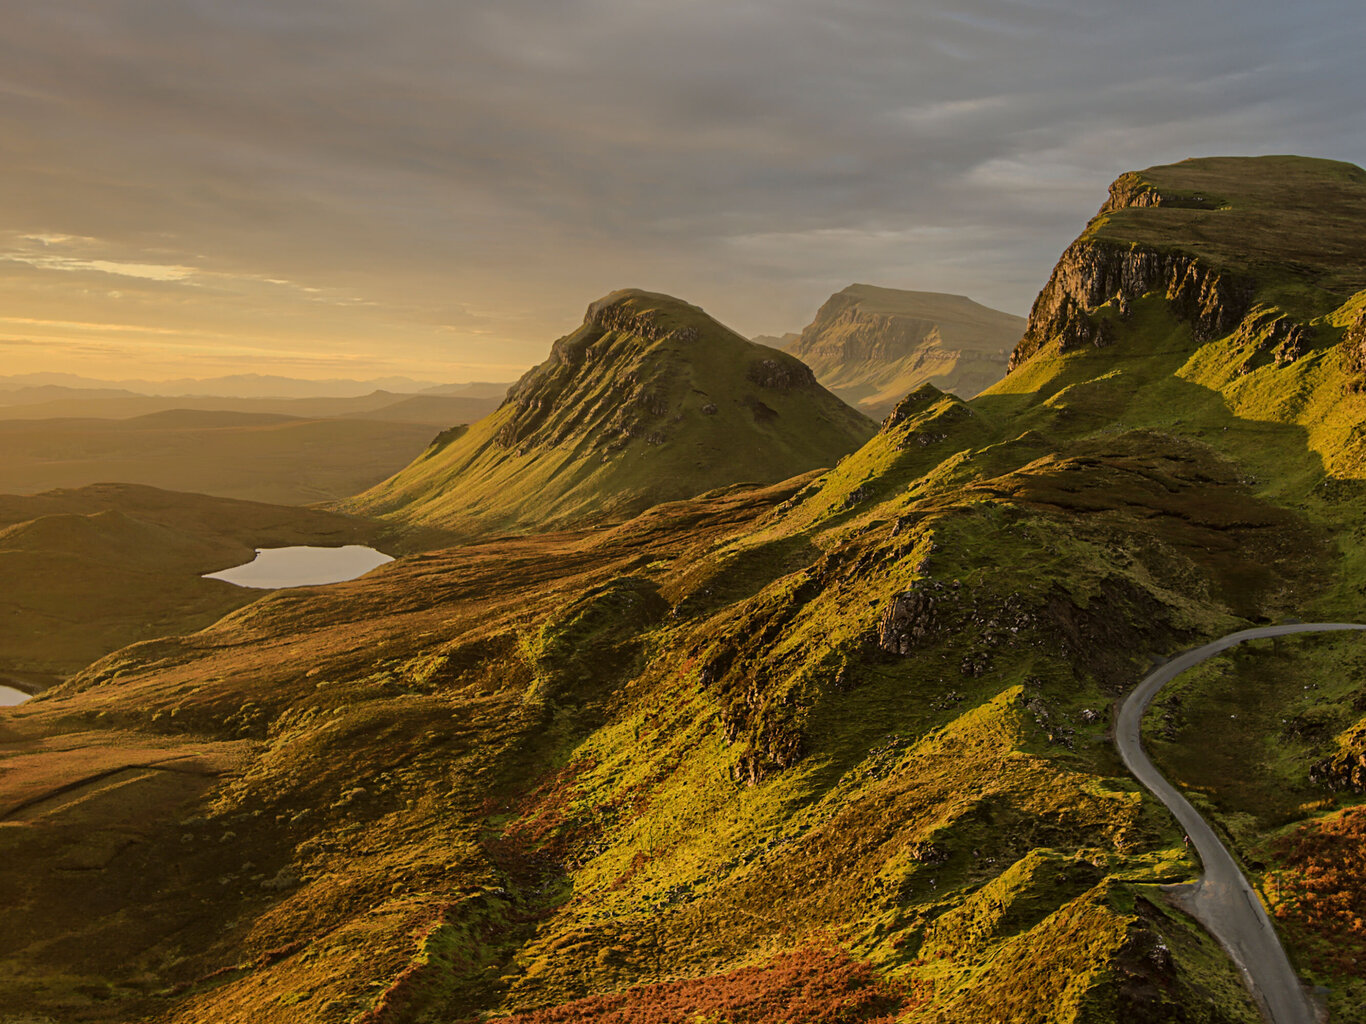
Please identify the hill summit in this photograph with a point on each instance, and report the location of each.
(649, 400)
(871, 346)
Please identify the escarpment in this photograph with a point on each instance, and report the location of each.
(1253, 245)
(1092, 275)
(1354, 354)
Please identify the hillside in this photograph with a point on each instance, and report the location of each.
(833, 749)
(650, 400)
(872, 346)
(247, 455)
(84, 572)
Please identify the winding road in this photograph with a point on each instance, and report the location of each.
(1222, 900)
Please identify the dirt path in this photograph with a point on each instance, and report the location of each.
(1222, 900)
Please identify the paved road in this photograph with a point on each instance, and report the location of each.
(1222, 900)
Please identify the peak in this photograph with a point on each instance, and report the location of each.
(1286, 226)
(1221, 238)
(636, 304)
(876, 299)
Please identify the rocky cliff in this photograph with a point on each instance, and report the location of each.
(1247, 245)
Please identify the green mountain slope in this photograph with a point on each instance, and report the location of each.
(650, 400)
(871, 346)
(831, 750)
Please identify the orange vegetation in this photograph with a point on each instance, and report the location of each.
(1320, 891)
(805, 987)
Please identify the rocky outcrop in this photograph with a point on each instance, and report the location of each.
(908, 621)
(780, 375)
(1274, 336)
(1092, 274)
(612, 314)
(1133, 190)
(912, 405)
(1354, 354)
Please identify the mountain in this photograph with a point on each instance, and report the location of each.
(873, 345)
(650, 400)
(837, 748)
(476, 389)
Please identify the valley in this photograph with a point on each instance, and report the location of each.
(694, 694)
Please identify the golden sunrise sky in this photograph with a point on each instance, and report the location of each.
(356, 188)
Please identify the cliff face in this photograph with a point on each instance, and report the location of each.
(1092, 274)
(1249, 245)
(1354, 354)
(872, 346)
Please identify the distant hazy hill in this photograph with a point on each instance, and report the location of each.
(784, 342)
(476, 389)
(253, 456)
(242, 385)
(872, 346)
(649, 400)
(433, 410)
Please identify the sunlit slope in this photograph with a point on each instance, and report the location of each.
(649, 400)
(871, 346)
(832, 750)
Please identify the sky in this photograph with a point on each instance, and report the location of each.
(438, 188)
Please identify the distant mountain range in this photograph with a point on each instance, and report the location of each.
(242, 385)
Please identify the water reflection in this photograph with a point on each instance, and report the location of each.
(277, 568)
(9, 696)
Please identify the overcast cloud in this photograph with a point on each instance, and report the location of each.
(439, 188)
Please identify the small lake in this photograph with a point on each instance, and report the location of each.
(277, 568)
(9, 696)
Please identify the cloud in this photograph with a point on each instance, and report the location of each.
(375, 171)
(146, 271)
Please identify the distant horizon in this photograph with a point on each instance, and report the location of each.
(431, 382)
(318, 192)
(244, 385)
